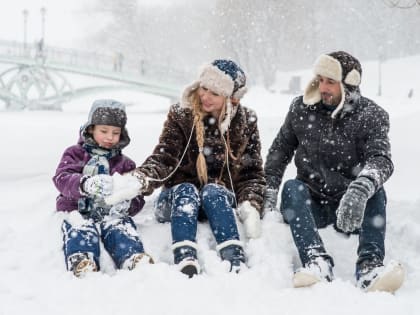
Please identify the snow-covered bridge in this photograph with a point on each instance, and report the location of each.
(34, 76)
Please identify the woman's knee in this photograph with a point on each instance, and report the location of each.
(185, 189)
(185, 199)
(295, 198)
(212, 192)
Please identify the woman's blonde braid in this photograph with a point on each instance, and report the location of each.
(201, 165)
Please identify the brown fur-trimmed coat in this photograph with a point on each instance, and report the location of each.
(246, 170)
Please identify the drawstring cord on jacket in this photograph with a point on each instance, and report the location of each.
(182, 157)
(179, 162)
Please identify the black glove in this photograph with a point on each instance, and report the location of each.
(270, 200)
(352, 206)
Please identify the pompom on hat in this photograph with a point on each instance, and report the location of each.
(339, 66)
(223, 77)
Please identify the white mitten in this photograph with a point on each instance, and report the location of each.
(126, 187)
(250, 218)
(98, 185)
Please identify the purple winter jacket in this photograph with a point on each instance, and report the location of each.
(69, 172)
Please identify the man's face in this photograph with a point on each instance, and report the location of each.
(330, 90)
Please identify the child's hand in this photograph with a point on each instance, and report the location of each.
(98, 185)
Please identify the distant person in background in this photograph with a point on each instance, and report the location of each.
(40, 51)
(343, 158)
(84, 180)
(118, 61)
(208, 159)
(410, 93)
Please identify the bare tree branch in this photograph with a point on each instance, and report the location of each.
(402, 4)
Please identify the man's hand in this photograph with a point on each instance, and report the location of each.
(270, 200)
(352, 206)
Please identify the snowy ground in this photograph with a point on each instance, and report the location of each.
(33, 277)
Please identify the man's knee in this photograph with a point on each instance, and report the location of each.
(294, 199)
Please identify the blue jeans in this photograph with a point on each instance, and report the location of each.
(182, 205)
(119, 237)
(305, 215)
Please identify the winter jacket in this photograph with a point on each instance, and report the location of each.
(331, 152)
(69, 173)
(246, 169)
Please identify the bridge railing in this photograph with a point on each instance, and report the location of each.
(112, 62)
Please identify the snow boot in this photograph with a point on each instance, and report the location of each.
(233, 252)
(185, 257)
(81, 264)
(319, 268)
(136, 260)
(372, 275)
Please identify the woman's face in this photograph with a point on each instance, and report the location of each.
(211, 102)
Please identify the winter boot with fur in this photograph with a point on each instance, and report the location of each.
(318, 269)
(136, 260)
(185, 257)
(372, 275)
(233, 252)
(81, 264)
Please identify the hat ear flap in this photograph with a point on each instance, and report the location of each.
(224, 125)
(240, 92)
(353, 78)
(312, 95)
(186, 94)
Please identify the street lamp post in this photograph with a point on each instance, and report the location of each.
(43, 11)
(25, 27)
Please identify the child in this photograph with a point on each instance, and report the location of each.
(83, 178)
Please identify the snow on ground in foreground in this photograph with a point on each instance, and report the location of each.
(33, 277)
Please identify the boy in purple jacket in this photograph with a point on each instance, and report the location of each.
(83, 178)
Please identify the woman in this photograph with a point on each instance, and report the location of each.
(208, 160)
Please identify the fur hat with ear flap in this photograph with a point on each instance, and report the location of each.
(339, 66)
(223, 77)
(107, 112)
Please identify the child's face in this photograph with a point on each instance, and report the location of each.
(106, 136)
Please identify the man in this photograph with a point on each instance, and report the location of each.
(343, 159)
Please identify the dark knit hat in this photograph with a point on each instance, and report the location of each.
(339, 66)
(107, 112)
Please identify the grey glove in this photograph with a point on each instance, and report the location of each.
(98, 185)
(270, 200)
(352, 206)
